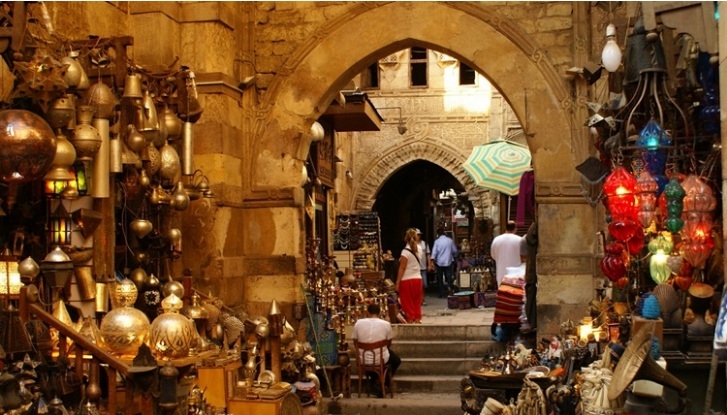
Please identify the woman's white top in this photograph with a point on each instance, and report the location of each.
(412, 269)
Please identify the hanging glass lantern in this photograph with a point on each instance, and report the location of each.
(674, 194)
(654, 143)
(660, 248)
(10, 282)
(59, 226)
(620, 189)
(613, 264)
(699, 205)
(647, 188)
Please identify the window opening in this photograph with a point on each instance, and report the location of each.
(370, 77)
(418, 66)
(467, 75)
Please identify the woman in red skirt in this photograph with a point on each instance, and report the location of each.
(409, 279)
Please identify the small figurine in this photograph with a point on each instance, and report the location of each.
(555, 351)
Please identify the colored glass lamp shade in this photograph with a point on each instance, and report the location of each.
(647, 188)
(674, 194)
(68, 189)
(613, 265)
(660, 248)
(10, 282)
(59, 226)
(699, 196)
(653, 141)
(620, 189)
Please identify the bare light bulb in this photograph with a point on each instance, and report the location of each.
(611, 55)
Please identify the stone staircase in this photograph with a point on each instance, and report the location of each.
(435, 358)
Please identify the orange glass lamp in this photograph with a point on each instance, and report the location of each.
(68, 189)
(10, 283)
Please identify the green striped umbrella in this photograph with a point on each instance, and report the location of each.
(498, 165)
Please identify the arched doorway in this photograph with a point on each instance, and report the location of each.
(476, 34)
(405, 200)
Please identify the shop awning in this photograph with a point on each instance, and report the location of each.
(352, 112)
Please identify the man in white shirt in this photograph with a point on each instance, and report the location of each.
(373, 329)
(505, 250)
(424, 263)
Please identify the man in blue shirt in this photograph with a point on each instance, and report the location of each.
(444, 252)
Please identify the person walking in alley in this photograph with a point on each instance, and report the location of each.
(444, 252)
(424, 260)
(409, 278)
(506, 251)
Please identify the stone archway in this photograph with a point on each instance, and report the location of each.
(488, 41)
(477, 33)
(441, 154)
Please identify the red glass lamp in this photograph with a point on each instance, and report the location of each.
(620, 190)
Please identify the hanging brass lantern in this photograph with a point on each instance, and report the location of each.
(28, 146)
(86, 138)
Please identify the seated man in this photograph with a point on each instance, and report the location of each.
(373, 329)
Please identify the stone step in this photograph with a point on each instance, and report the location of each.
(455, 366)
(416, 384)
(445, 348)
(402, 404)
(441, 332)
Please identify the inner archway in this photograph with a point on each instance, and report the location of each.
(405, 200)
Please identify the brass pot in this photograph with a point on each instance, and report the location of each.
(28, 146)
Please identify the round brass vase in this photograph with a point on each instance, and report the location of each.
(124, 330)
(28, 146)
(172, 334)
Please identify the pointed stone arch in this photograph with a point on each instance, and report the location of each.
(441, 154)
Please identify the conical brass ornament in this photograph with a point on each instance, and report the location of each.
(87, 220)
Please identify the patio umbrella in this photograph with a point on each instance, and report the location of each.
(498, 165)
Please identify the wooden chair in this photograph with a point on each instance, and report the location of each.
(378, 366)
